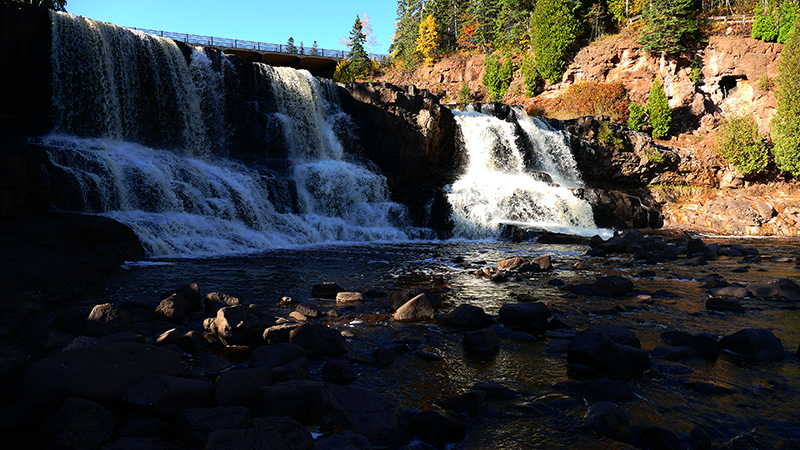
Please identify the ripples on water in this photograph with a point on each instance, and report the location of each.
(761, 412)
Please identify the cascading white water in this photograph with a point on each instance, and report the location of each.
(499, 185)
(114, 89)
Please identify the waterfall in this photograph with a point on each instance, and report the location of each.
(519, 171)
(143, 128)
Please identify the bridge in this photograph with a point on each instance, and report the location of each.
(319, 61)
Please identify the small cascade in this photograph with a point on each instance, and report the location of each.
(519, 171)
(142, 133)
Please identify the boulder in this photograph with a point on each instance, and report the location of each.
(268, 433)
(346, 297)
(530, 317)
(617, 333)
(346, 440)
(614, 286)
(193, 425)
(173, 309)
(79, 425)
(779, 289)
(467, 316)
(326, 290)
(240, 387)
(481, 341)
(674, 353)
(166, 396)
(754, 344)
(538, 264)
(338, 372)
(373, 415)
(190, 293)
(609, 420)
(107, 319)
(279, 333)
(318, 340)
(287, 399)
(414, 310)
(511, 263)
(732, 291)
(285, 361)
(599, 352)
(464, 404)
(438, 428)
(193, 342)
(399, 298)
(237, 325)
(724, 304)
(101, 372)
(171, 336)
(705, 344)
(215, 301)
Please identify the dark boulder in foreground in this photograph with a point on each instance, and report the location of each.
(267, 433)
(609, 420)
(481, 341)
(80, 424)
(754, 344)
(781, 288)
(531, 317)
(99, 372)
(467, 316)
(318, 340)
(165, 396)
(599, 352)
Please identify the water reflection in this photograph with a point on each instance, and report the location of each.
(760, 410)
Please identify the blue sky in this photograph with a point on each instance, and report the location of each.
(271, 21)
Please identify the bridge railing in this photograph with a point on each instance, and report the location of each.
(196, 39)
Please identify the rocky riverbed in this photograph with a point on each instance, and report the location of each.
(630, 342)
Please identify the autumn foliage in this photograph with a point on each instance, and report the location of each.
(589, 99)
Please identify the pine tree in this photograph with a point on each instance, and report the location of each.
(497, 77)
(403, 48)
(658, 110)
(554, 31)
(358, 59)
(786, 122)
(669, 24)
(428, 39)
(290, 48)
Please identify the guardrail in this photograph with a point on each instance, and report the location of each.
(736, 18)
(211, 41)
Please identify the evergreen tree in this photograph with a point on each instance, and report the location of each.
(497, 77)
(658, 110)
(428, 39)
(403, 48)
(554, 32)
(739, 143)
(314, 49)
(358, 59)
(786, 122)
(290, 48)
(669, 25)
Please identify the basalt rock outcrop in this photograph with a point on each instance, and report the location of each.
(413, 140)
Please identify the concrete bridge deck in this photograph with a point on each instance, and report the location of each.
(320, 62)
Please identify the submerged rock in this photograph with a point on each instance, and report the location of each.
(467, 316)
(600, 352)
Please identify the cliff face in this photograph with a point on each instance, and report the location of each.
(731, 69)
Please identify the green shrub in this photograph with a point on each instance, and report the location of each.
(497, 77)
(697, 72)
(531, 75)
(637, 116)
(606, 136)
(786, 122)
(658, 110)
(764, 26)
(739, 143)
(654, 156)
(463, 93)
(765, 83)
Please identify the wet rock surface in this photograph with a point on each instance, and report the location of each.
(609, 350)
